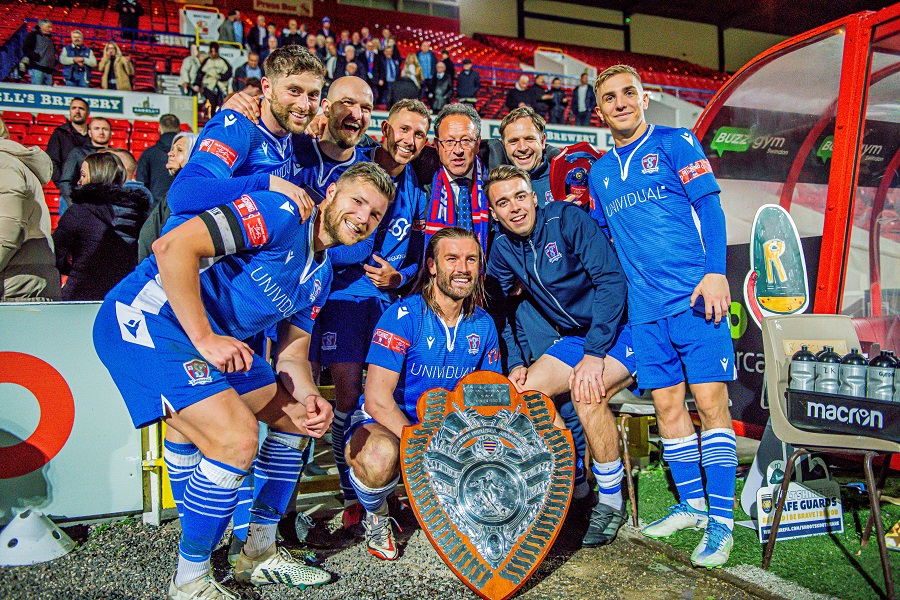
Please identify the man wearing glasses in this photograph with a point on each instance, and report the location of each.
(456, 191)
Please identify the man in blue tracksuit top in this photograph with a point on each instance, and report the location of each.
(647, 190)
(567, 265)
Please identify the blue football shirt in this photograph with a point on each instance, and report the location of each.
(413, 341)
(643, 193)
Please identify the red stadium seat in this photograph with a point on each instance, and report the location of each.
(122, 124)
(50, 119)
(12, 116)
(145, 126)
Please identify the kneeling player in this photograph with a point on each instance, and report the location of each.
(567, 266)
(431, 339)
(169, 335)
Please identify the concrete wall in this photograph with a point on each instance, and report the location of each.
(741, 46)
(488, 16)
(693, 42)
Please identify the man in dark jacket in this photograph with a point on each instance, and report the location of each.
(539, 96)
(568, 267)
(391, 72)
(443, 88)
(151, 167)
(584, 101)
(249, 69)
(40, 51)
(256, 36)
(77, 61)
(520, 95)
(448, 63)
(130, 12)
(340, 70)
(68, 136)
(468, 82)
(293, 35)
(227, 31)
(99, 132)
(558, 102)
(401, 89)
(373, 67)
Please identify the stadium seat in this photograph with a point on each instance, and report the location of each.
(50, 119)
(12, 116)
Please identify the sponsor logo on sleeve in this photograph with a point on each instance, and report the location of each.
(552, 252)
(257, 234)
(217, 148)
(198, 371)
(694, 170)
(245, 206)
(474, 342)
(650, 164)
(314, 312)
(391, 341)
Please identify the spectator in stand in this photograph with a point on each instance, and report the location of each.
(443, 88)
(238, 28)
(331, 62)
(311, 45)
(27, 265)
(349, 58)
(353, 70)
(540, 97)
(253, 87)
(468, 82)
(326, 28)
(356, 42)
(271, 46)
(427, 60)
(68, 136)
(77, 61)
(391, 72)
(152, 168)
(40, 53)
(182, 145)
(99, 132)
(256, 37)
(130, 165)
(373, 67)
(558, 102)
(343, 41)
(520, 95)
(227, 28)
(212, 78)
(321, 52)
(272, 29)
(96, 240)
(189, 68)
(130, 12)
(407, 86)
(251, 68)
(115, 68)
(385, 36)
(364, 34)
(448, 63)
(293, 35)
(584, 101)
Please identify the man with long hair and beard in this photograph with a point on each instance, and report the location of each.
(432, 338)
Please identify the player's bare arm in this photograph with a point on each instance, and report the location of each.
(379, 399)
(311, 413)
(178, 254)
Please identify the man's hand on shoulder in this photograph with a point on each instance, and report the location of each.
(716, 296)
(304, 203)
(245, 104)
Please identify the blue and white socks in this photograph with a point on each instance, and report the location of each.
(720, 464)
(340, 461)
(683, 457)
(609, 482)
(373, 499)
(209, 500)
(275, 474)
(181, 460)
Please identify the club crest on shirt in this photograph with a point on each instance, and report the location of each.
(650, 164)
(198, 371)
(552, 252)
(329, 340)
(474, 342)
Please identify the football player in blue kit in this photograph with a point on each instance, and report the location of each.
(432, 338)
(220, 277)
(374, 269)
(647, 190)
(235, 156)
(565, 263)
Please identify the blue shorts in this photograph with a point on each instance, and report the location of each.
(343, 330)
(683, 347)
(570, 349)
(155, 366)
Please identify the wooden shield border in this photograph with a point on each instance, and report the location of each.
(454, 546)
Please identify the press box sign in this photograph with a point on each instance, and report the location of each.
(811, 508)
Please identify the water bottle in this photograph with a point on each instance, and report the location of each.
(803, 370)
(880, 377)
(853, 374)
(827, 367)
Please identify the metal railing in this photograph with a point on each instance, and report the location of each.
(125, 38)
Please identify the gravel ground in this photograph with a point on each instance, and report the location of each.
(129, 560)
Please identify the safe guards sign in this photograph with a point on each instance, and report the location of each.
(811, 508)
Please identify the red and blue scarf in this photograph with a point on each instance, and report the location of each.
(442, 209)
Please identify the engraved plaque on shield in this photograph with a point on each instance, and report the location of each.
(490, 479)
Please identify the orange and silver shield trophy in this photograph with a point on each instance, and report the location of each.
(489, 479)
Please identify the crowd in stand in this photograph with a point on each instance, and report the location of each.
(105, 198)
